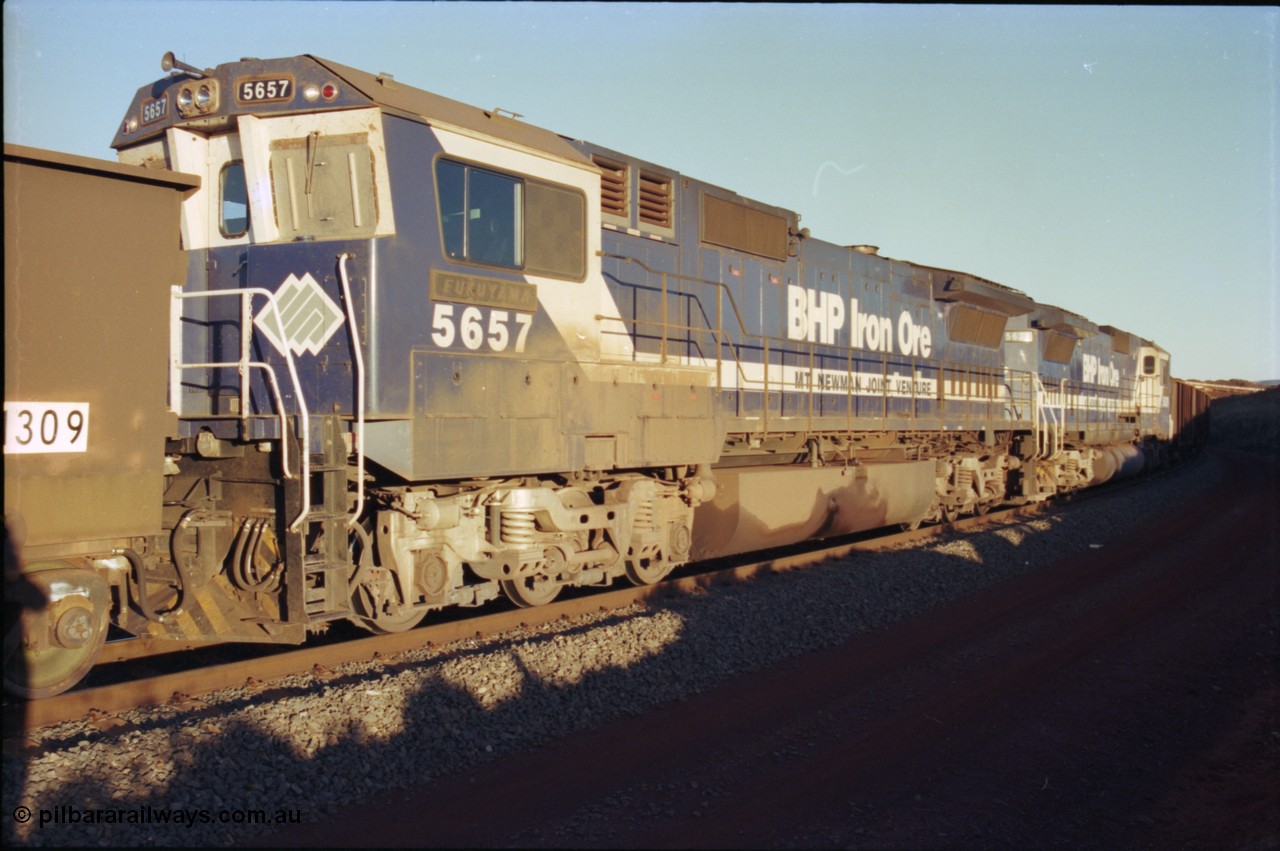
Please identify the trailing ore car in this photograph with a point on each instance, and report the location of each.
(423, 355)
(91, 251)
(1190, 419)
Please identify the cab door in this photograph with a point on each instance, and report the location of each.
(216, 234)
(1153, 392)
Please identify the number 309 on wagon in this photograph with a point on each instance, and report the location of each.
(31, 427)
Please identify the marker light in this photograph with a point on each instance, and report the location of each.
(311, 91)
(330, 91)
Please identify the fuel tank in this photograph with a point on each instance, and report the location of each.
(1129, 460)
(760, 507)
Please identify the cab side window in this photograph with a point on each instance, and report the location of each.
(480, 215)
(233, 201)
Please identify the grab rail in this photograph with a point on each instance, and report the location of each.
(359, 358)
(243, 365)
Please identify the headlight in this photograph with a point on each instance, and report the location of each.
(197, 98)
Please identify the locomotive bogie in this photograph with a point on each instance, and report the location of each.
(969, 483)
(541, 534)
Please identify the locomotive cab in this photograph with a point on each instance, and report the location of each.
(1153, 391)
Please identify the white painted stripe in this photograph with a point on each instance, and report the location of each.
(573, 307)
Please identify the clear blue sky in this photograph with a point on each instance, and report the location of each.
(1117, 161)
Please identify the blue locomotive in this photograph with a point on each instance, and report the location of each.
(424, 355)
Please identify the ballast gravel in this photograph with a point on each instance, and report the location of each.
(240, 765)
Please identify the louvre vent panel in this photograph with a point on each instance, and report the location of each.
(655, 200)
(613, 187)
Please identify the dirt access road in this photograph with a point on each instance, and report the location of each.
(1124, 698)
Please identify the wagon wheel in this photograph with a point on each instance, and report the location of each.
(48, 651)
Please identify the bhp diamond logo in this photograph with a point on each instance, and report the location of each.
(310, 317)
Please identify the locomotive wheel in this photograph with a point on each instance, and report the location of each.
(527, 593)
(385, 624)
(647, 571)
(370, 585)
(48, 651)
(371, 616)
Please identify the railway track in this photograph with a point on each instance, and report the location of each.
(260, 670)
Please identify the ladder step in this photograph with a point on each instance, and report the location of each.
(321, 566)
(323, 575)
(328, 599)
(323, 516)
(320, 617)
